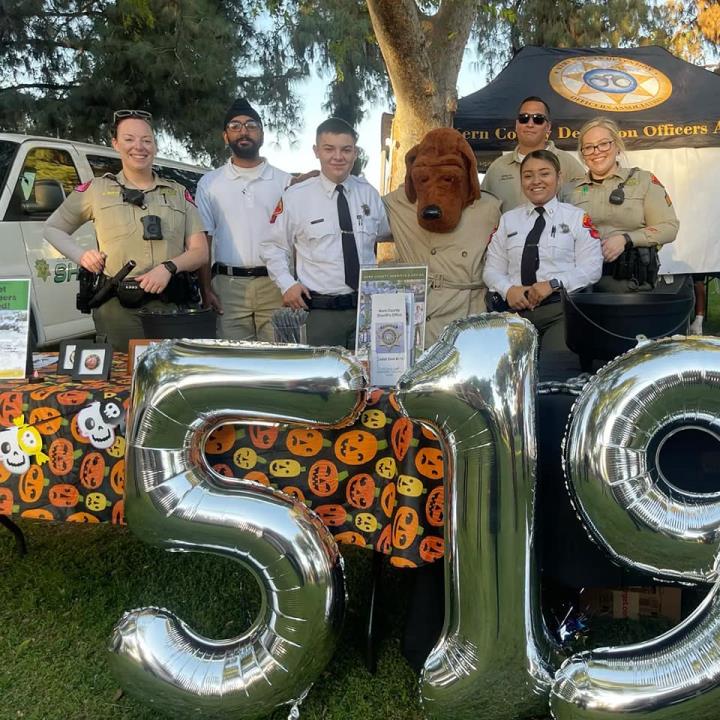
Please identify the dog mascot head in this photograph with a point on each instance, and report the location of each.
(441, 175)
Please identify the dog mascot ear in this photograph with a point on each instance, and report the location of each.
(471, 167)
(409, 185)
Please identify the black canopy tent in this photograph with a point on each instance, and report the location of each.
(668, 111)
(657, 99)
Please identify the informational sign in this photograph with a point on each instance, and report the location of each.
(391, 320)
(14, 326)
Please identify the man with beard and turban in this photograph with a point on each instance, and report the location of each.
(236, 202)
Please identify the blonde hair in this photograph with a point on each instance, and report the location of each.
(610, 125)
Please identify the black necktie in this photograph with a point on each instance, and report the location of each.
(530, 256)
(350, 253)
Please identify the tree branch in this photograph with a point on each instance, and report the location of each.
(44, 86)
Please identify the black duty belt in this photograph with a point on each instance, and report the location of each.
(318, 301)
(232, 271)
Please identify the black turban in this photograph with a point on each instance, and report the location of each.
(241, 107)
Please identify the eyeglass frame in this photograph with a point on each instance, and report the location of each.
(532, 116)
(243, 125)
(125, 114)
(596, 148)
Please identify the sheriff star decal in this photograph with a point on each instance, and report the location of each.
(610, 83)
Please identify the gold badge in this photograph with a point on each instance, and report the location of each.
(611, 84)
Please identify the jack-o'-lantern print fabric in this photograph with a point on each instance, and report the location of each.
(62, 448)
(377, 484)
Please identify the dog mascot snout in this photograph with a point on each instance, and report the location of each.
(431, 212)
(440, 219)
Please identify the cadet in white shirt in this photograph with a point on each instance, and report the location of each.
(331, 222)
(539, 247)
(236, 202)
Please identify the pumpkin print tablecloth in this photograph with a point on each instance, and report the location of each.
(378, 484)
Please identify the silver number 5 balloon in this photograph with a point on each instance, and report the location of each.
(181, 392)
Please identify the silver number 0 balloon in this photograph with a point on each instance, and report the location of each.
(181, 392)
(612, 451)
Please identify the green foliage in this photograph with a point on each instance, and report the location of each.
(335, 36)
(505, 26)
(67, 63)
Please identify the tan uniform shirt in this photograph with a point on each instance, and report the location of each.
(503, 176)
(118, 224)
(646, 214)
(454, 260)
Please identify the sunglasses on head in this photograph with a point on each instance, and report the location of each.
(537, 118)
(122, 114)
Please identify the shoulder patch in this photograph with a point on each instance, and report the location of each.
(587, 223)
(277, 211)
(655, 181)
(189, 198)
(82, 187)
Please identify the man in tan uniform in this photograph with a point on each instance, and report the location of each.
(446, 227)
(532, 127)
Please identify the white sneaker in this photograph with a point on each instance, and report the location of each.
(696, 326)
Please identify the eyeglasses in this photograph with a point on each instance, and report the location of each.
(122, 114)
(604, 146)
(537, 118)
(236, 125)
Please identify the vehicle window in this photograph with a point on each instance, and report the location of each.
(46, 171)
(186, 178)
(102, 164)
(7, 155)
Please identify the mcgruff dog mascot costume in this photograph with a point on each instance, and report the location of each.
(439, 218)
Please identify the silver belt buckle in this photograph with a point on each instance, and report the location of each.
(436, 281)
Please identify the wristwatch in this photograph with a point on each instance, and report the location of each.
(555, 284)
(171, 266)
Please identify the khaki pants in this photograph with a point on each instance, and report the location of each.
(248, 304)
(118, 325)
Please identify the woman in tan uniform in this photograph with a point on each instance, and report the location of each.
(629, 206)
(137, 216)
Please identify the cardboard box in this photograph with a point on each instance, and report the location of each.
(634, 602)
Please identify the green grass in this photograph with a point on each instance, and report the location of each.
(711, 326)
(60, 602)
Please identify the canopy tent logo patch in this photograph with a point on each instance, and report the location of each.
(612, 84)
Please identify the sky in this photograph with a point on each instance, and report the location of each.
(300, 157)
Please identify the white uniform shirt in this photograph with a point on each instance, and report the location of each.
(236, 212)
(307, 222)
(569, 248)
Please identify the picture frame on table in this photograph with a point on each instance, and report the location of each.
(136, 348)
(66, 357)
(92, 361)
(16, 348)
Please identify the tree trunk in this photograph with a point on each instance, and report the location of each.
(423, 55)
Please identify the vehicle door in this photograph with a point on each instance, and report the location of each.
(43, 175)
